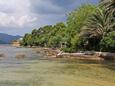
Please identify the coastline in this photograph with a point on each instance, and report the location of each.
(56, 53)
(83, 55)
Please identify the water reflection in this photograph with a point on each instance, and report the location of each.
(13, 53)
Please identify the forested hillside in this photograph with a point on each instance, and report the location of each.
(6, 39)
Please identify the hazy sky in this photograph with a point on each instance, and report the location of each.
(20, 16)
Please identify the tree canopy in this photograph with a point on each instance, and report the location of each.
(89, 27)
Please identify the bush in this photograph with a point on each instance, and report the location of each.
(69, 50)
(108, 42)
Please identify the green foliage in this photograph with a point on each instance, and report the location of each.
(76, 20)
(78, 17)
(86, 28)
(27, 40)
(100, 23)
(70, 50)
(47, 36)
(108, 42)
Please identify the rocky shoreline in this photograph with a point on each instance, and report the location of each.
(86, 55)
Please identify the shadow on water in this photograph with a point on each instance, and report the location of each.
(107, 64)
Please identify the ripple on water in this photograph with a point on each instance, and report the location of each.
(36, 71)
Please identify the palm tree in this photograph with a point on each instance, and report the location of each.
(109, 5)
(99, 24)
(103, 20)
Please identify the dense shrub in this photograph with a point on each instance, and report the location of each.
(70, 50)
(108, 42)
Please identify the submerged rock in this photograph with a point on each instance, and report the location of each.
(20, 56)
(2, 55)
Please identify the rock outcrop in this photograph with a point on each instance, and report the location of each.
(107, 55)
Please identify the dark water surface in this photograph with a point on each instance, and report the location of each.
(25, 67)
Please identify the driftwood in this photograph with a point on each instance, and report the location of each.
(89, 55)
(78, 56)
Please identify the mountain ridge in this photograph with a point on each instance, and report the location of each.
(6, 38)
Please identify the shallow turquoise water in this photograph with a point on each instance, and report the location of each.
(36, 70)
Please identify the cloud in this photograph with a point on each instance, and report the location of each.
(13, 21)
(21, 16)
(15, 13)
(45, 7)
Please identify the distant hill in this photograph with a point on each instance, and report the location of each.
(2, 42)
(6, 39)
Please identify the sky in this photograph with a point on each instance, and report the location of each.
(18, 17)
